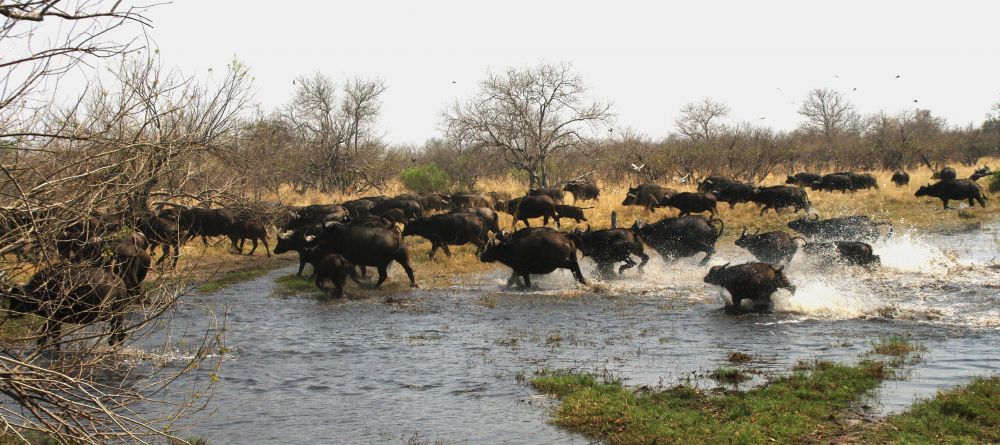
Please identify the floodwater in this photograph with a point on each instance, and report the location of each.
(451, 365)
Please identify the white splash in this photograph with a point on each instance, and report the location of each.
(908, 253)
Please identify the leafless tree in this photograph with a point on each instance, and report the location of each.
(526, 116)
(95, 162)
(336, 133)
(700, 121)
(827, 113)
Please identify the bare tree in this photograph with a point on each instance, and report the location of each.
(701, 121)
(527, 115)
(827, 113)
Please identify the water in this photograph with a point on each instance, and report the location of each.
(448, 364)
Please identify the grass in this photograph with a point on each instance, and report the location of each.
(787, 410)
(969, 414)
(729, 375)
(291, 285)
(232, 277)
(895, 345)
(739, 357)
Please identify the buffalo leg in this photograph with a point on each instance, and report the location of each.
(574, 266)
(645, 258)
(383, 273)
(526, 281)
(444, 247)
(525, 222)
(434, 248)
(708, 255)
(238, 248)
(302, 264)
(945, 201)
(266, 248)
(116, 336)
(253, 247)
(338, 282)
(629, 263)
(404, 260)
(177, 254)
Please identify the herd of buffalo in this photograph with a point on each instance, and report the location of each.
(107, 260)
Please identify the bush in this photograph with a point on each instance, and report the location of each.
(995, 182)
(425, 178)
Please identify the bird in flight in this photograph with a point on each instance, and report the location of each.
(898, 76)
(637, 167)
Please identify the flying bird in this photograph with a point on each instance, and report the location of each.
(453, 81)
(762, 118)
(836, 76)
(914, 101)
(855, 89)
(898, 76)
(637, 167)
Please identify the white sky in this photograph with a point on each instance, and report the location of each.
(648, 58)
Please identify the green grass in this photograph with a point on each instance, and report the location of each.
(895, 345)
(729, 375)
(291, 285)
(966, 415)
(232, 277)
(790, 409)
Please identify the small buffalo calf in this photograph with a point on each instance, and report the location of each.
(333, 267)
(573, 212)
(851, 252)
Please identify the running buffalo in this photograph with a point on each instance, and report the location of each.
(803, 179)
(583, 191)
(688, 203)
(534, 251)
(609, 246)
(449, 229)
(681, 236)
(753, 281)
(853, 228)
(365, 246)
(771, 247)
(850, 252)
(527, 207)
(957, 189)
(781, 196)
(900, 178)
(647, 195)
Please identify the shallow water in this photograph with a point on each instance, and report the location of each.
(448, 364)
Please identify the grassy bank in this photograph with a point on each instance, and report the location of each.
(811, 404)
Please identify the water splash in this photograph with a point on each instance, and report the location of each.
(908, 252)
(823, 296)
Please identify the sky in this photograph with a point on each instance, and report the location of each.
(647, 58)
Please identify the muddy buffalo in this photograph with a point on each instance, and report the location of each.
(610, 246)
(854, 228)
(781, 196)
(687, 203)
(771, 247)
(850, 252)
(753, 281)
(681, 236)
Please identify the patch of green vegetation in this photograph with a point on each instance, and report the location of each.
(787, 410)
(895, 345)
(739, 357)
(966, 415)
(729, 375)
(291, 285)
(232, 277)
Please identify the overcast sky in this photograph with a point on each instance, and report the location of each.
(648, 58)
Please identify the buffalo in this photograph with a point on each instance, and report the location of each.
(980, 173)
(860, 181)
(489, 216)
(583, 191)
(571, 212)
(527, 207)
(957, 189)
(295, 240)
(356, 207)
(647, 195)
(467, 200)
(713, 184)
(854, 228)
(850, 252)
(124, 256)
(900, 178)
(534, 251)
(681, 236)
(73, 294)
(834, 182)
(771, 247)
(411, 208)
(365, 246)
(735, 193)
(688, 202)
(754, 281)
(609, 246)
(161, 232)
(555, 193)
(449, 229)
(246, 228)
(332, 267)
(396, 215)
(200, 222)
(946, 174)
(803, 179)
(781, 196)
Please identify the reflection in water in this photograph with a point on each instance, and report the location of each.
(450, 364)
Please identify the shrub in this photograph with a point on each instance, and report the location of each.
(425, 178)
(995, 182)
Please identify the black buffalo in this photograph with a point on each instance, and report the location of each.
(366, 246)
(489, 216)
(161, 232)
(200, 222)
(123, 255)
(299, 240)
(248, 228)
(803, 179)
(771, 247)
(647, 195)
(396, 216)
(957, 189)
(610, 246)
(583, 191)
(713, 184)
(534, 251)
(850, 252)
(681, 236)
(980, 173)
(854, 228)
(467, 200)
(555, 193)
(527, 207)
(735, 193)
(781, 196)
(946, 174)
(356, 207)
(412, 209)
(900, 178)
(332, 267)
(753, 281)
(571, 212)
(449, 229)
(688, 202)
(73, 294)
(834, 182)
